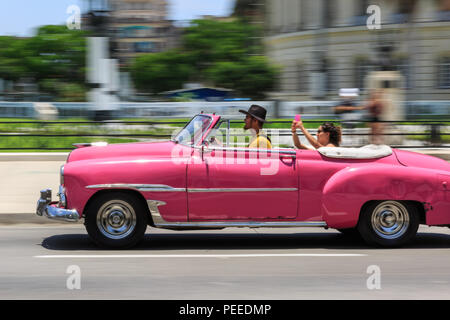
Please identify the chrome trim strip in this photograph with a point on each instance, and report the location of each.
(139, 187)
(154, 211)
(165, 188)
(240, 224)
(159, 221)
(193, 190)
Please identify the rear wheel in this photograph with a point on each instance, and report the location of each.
(389, 223)
(116, 220)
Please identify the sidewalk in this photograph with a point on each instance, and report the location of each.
(24, 175)
(22, 180)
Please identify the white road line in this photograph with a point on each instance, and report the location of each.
(134, 256)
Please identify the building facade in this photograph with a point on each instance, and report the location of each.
(324, 45)
(140, 26)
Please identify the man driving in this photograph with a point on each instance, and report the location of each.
(254, 121)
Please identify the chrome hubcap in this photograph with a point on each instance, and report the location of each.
(116, 219)
(390, 220)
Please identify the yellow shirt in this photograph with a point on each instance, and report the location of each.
(260, 141)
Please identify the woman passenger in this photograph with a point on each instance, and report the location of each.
(328, 135)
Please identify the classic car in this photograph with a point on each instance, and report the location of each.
(194, 182)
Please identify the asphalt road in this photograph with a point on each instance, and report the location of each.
(53, 261)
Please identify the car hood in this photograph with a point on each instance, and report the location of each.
(414, 159)
(132, 150)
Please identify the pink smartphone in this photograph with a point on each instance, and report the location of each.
(297, 117)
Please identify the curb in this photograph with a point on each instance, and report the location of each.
(34, 156)
(438, 153)
(30, 218)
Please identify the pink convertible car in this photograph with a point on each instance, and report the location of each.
(194, 182)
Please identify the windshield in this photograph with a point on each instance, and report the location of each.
(194, 130)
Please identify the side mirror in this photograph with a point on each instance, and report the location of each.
(205, 148)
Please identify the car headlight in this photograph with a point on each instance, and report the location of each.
(61, 175)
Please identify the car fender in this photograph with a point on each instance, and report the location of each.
(155, 179)
(349, 189)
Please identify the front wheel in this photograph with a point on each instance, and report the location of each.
(388, 223)
(116, 220)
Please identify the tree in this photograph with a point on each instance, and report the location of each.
(12, 53)
(57, 52)
(224, 53)
(54, 55)
(249, 77)
(161, 71)
(209, 41)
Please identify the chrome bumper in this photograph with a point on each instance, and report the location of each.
(47, 208)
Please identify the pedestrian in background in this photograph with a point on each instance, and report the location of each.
(375, 108)
(346, 108)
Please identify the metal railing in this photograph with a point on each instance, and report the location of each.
(432, 133)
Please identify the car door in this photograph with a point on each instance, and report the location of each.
(242, 184)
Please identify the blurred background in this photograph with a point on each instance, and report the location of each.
(135, 70)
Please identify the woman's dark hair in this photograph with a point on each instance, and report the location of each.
(335, 132)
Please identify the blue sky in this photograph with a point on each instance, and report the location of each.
(21, 17)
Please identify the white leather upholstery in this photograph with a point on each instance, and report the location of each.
(371, 151)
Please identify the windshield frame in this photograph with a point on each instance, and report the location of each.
(206, 132)
(217, 126)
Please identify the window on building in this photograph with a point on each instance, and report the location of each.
(406, 6)
(143, 47)
(303, 14)
(302, 78)
(444, 10)
(135, 32)
(443, 73)
(362, 68)
(124, 46)
(330, 75)
(289, 78)
(143, 32)
(332, 79)
(360, 17)
(403, 66)
(329, 8)
(444, 5)
(404, 10)
(362, 7)
(124, 33)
